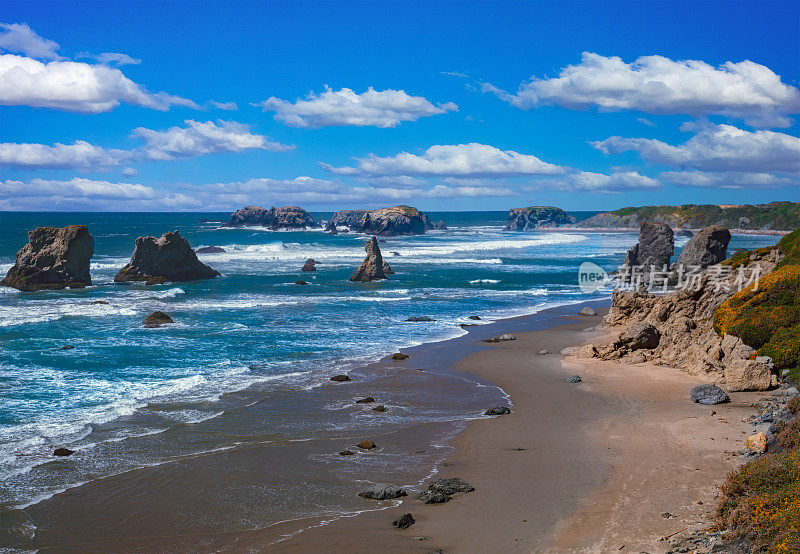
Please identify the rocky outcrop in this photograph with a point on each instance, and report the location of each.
(371, 269)
(310, 265)
(54, 258)
(708, 247)
(210, 250)
(525, 219)
(167, 258)
(382, 491)
(404, 521)
(497, 410)
(288, 217)
(654, 249)
(157, 319)
(399, 220)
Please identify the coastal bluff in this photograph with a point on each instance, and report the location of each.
(167, 258)
(54, 258)
(533, 217)
(287, 217)
(397, 220)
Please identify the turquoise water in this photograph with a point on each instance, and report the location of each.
(251, 327)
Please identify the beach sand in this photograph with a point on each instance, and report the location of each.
(588, 467)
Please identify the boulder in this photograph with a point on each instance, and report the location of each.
(637, 336)
(709, 394)
(309, 265)
(98, 302)
(431, 497)
(707, 247)
(341, 378)
(366, 400)
(524, 219)
(404, 521)
(167, 258)
(54, 258)
(346, 453)
(380, 408)
(67, 347)
(501, 338)
(210, 250)
(288, 217)
(475, 317)
(497, 410)
(574, 379)
(588, 311)
(381, 491)
(301, 282)
(156, 319)
(399, 220)
(757, 443)
(419, 319)
(371, 269)
(744, 375)
(399, 356)
(450, 486)
(366, 445)
(63, 452)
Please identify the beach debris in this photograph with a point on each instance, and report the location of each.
(379, 408)
(63, 452)
(497, 410)
(210, 250)
(431, 497)
(67, 347)
(309, 265)
(587, 311)
(475, 317)
(366, 444)
(167, 258)
(157, 319)
(365, 400)
(399, 356)
(543, 351)
(450, 486)
(341, 378)
(501, 338)
(709, 394)
(346, 453)
(53, 258)
(574, 379)
(382, 491)
(404, 522)
(301, 282)
(371, 269)
(417, 319)
(757, 443)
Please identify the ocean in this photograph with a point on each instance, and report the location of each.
(253, 342)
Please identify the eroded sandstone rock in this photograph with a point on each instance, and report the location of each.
(371, 269)
(167, 258)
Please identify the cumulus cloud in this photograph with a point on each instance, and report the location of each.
(586, 181)
(717, 148)
(199, 138)
(79, 154)
(19, 38)
(659, 85)
(459, 160)
(110, 58)
(729, 180)
(387, 108)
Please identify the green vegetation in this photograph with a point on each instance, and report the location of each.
(407, 210)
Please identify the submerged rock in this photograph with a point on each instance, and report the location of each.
(341, 378)
(210, 250)
(398, 220)
(301, 282)
(54, 258)
(367, 444)
(404, 521)
(379, 408)
(371, 269)
(497, 410)
(420, 319)
(167, 258)
(157, 318)
(347, 453)
(381, 491)
(288, 217)
(310, 265)
(475, 317)
(399, 356)
(63, 452)
(367, 400)
(524, 219)
(709, 394)
(707, 247)
(67, 347)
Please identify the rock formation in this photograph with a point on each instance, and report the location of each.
(399, 220)
(157, 319)
(371, 269)
(708, 247)
(404, 521)
(525, 219)
(387, 270)
(54, 258)
(167, 258)
(654, 249)
(288, 217)
(383, 491)
(310, 265)
(210, 250)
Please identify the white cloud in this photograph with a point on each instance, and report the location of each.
(659, 85)
(129, 172)
(199, 138)
(728, 180)
(227, 106)
(19, 38)
(585, 181)
(458, 160)
(110, 58)
(645, 121)
(717, 148)
(79, 154)
(387, 108)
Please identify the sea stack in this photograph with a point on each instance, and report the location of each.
(398, 220)
(287, 217)
(54, 258)
(708, 247)
(167, 258)
(525, 219)
(371, 269)
(654, 249)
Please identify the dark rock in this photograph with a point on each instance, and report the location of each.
(366, 400)
(346, 453)
(167, 258)
(381, 491)
(450, 486)
(654, 249)
(54, 258)
(404, 522)
(379, 408)
(393, 253)
(63, 452)
(366, 445)
(574, 379)
(497, 410)
(341, 378)
(210, 250)
(399, 220)
(431, 497)
(638, 336)
(707, 247)
(99, 302)
(475, 317)
(501, 338)
(683, 233)
(157, 318)
(399, 356)
(288, 217)
(417, 319)
(301, 282)
(709, 394)
(371, 268)
(524, 219)
(441, 226)
(309, 265)
(67, 347)
(387, 270)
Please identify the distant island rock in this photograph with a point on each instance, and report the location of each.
(288, 217)
(525, 219)
(210, 250)
(54, 258)
(371, 269)
(398, 220)
(167, 258)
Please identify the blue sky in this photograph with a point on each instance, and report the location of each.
(489, 105)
